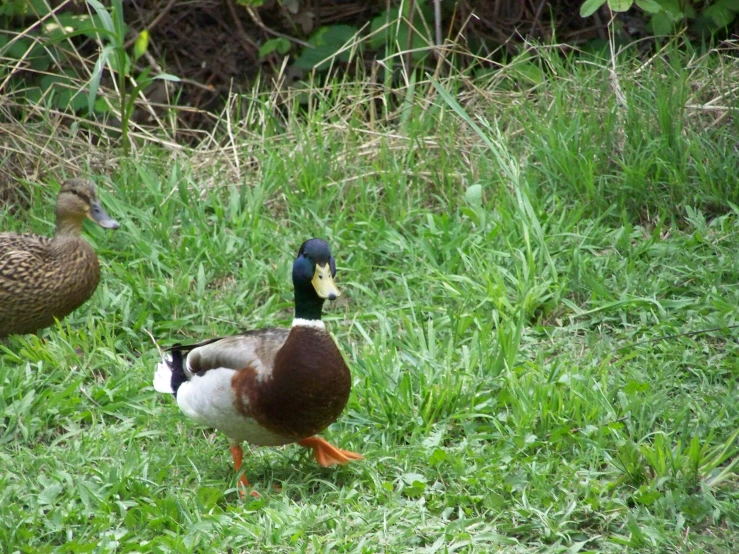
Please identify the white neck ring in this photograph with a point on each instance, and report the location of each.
(310, 323)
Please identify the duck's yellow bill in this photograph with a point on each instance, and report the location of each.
(323, 282)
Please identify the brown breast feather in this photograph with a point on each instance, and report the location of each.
(308, 389)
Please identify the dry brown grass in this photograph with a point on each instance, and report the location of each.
(40, 142)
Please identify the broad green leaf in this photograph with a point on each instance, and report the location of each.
(589, 7)
(61, 92)
(120, 63)
(378, 37)
(38, 8)
(73, 100)
(58, 27)
(661, 24)
(620, 5)
(326, 41)
(101, 105)
(33, 95)
(27, 50)
(40, 62)
(13, 9)
(66, 26)
(141, 44)
(722, 13)
(676, 9)
(650, 6)
(281, 45)
(19, 49)
(47, 81)
(529, 73)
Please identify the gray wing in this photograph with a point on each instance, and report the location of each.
(255, 349)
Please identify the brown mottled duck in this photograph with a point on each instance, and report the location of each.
(42, 278)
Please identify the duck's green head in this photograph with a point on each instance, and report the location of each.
(313, 278)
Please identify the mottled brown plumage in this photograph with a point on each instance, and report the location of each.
(44, 278)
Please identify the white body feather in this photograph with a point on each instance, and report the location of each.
(209, 400)
(163, 376)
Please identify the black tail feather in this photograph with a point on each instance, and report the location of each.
(178, 369)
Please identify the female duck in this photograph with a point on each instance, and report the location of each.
(270, 387)
(42, 278)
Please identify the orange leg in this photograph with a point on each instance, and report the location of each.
(327, 454)
(237, 453)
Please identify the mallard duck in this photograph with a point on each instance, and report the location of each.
(42, 278)
(269, 387)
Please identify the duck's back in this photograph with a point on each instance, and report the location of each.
(43, 278)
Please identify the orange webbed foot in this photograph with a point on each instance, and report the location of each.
(237, 453)
(327, 454)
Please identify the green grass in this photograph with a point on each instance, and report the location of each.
(502, 396)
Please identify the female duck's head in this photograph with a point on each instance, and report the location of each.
(313, 278)
(78, 200)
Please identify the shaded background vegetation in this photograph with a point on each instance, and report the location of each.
(183, 73)
(216, 46)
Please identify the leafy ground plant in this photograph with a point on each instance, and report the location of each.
(512, 252)
(114, 55)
